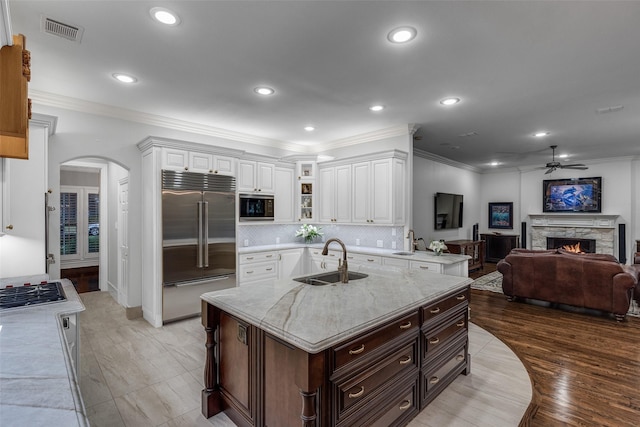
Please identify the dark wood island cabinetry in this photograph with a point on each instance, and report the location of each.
(381, 376)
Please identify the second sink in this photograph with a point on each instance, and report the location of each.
(328, 278)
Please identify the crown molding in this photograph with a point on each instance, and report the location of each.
(444, 160)
(75, 104)
(390, 132)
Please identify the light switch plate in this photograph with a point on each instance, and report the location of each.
(380, 243)
(357, 242)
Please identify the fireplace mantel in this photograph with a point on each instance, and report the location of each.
(573, 220)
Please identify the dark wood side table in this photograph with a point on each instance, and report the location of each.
(637, 245)
(475, 249)
(498, 246)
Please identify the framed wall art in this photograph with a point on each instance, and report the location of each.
(501, 215)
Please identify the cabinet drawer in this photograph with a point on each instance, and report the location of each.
(258, 271)
(422, 265)
(361, 388)
(257, 257)
(364, 259)
(395, 406)
(440, 374)
(395, 262)
(437, 338)
(432, 311)
(360, 347)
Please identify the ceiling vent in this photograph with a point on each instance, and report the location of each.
(60, 29)
(606, 110)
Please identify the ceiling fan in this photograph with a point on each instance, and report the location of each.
(553, 165)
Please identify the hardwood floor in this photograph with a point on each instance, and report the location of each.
(585, 369)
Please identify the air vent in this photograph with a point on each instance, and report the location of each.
(606, 110)
(60, 29)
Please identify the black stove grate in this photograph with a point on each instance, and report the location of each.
(21, 296)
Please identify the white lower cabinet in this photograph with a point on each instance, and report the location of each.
(319, 263)
(423, 265)
(363, 259)
(264, 267)
(290, 263)
(395, 262)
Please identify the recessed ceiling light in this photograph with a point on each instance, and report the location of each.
(264, 90)
(124, 78)
(164, 16)
(541, 134)
(309, 128)
(402, 34)
(563, 156)
(376, 108)
(449, 101)
(494, 164)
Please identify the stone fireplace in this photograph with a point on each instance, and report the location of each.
(573, 228)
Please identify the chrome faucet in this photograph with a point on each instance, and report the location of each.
(412, 240)
(342, 264)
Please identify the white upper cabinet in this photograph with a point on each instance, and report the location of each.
(284, 196)
(256, 177)
(378, 192)
(334, 191)
(192, 161)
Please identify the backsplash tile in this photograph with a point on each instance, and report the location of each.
(368, 236)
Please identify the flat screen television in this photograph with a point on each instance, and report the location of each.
(572, 195)
(447, 211)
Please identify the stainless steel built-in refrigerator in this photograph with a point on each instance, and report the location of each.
(198, 239)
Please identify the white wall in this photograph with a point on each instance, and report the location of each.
(430, 177)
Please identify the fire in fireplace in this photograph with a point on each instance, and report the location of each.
(572, 244)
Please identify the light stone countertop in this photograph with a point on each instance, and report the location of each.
(427, 256)
(315, 318)
(38, 382)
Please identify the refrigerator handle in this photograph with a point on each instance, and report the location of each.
(199, 262)
(205, 235)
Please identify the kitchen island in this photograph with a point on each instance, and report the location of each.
(374, 351)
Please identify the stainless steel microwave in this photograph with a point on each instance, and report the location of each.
(256, 207)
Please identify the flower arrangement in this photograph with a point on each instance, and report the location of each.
(309, 232)
(437, 246)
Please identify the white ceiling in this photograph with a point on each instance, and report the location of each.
(519, 67)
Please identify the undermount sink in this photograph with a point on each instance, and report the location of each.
(328, 278)
(402, 253)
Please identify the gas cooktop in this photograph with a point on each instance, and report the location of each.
(31, 294)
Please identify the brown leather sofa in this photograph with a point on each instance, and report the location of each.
(636, 267)
(593, 281)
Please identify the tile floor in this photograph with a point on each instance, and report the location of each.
(135, 375)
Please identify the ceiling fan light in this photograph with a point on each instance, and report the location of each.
(541, 134)
(376, 107)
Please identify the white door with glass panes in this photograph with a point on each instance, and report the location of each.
(79, 226)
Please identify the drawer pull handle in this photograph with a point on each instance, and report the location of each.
(435, 340)
(405, 405)
(405, 325)
(460, 324)
(370, 260)
(434, 380)
(250, 272)
(249, 257)
(357, 394)
(460, 297)
(460, 357)
(357, 350)
(269, 256)
(424, 267)
(270, 268)
(405, 361)
(435, 310)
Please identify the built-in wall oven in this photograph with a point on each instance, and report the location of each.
(256, 207)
